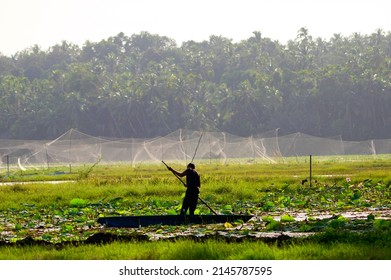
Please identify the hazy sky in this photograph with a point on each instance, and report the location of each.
(24, 23)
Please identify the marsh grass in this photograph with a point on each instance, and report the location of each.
(192, 250)
(221, 184)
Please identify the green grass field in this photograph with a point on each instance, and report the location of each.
(344, 212)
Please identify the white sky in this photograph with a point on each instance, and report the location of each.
(24, 23)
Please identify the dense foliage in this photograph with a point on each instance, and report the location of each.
(146, 85)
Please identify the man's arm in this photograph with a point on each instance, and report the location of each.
(180, 174)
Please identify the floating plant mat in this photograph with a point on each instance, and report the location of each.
(302, 216)
(79, 225)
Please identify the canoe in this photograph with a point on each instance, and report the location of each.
(144, 221)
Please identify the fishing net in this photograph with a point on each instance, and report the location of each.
(75, 147)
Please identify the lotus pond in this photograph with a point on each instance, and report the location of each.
(346, 201)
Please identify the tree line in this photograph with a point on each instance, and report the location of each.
(145, 85)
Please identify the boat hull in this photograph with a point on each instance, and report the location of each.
(143, 221)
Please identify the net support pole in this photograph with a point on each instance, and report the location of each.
(47, 156)
(8, 165)
(310, 171)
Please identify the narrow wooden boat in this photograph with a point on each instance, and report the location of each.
(143, 221)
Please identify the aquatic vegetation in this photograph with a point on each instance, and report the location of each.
(281, 203)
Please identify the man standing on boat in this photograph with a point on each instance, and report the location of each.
(193, 184)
